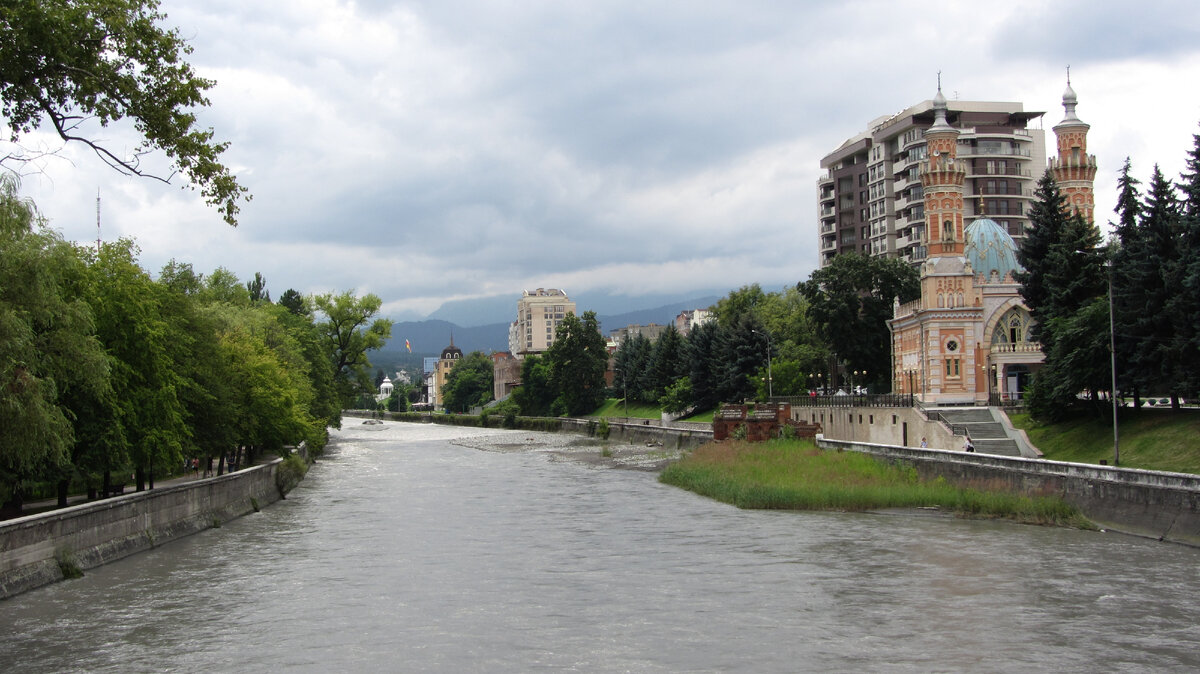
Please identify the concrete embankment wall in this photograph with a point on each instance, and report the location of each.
(1155, 504)
(676, 435)
(91, 534)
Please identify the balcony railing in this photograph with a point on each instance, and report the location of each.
(1017, 347)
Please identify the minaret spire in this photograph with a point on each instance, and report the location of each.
(942, 179)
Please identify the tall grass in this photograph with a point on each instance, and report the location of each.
(795, 475)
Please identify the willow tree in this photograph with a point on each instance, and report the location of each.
(47, 347)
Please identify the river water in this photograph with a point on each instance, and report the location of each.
(404, 551)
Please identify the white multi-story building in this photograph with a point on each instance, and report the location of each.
(538, 314)
(870, 200)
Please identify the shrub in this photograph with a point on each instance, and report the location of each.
(602, 429)
(289, 473)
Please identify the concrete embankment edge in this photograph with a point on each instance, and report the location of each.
(34, 549)
(1155, 504)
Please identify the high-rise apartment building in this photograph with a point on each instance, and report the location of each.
(870, 199)
(538, 314)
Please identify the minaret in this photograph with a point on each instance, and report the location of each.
(942, 178)
(1074, 169)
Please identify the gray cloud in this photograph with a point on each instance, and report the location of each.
(428, 151)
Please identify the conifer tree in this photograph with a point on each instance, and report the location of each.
(1185, 306)
(1154, 271)
(1126, 248)
(1047, 218)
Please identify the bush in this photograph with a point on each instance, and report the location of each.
(289, 474)
(602, 429)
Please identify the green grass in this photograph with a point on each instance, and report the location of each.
(615, 407)
(1152, 439)
(795, 475)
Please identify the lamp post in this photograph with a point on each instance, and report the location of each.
(770, 392)
(625, 392)
(1112, 351)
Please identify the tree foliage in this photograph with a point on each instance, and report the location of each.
(578, 359)
(350, 330)
(849, 304)
(64, 62)
(106, 371)
(469, 383)
(47, 343)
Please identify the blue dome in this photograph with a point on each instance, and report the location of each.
(990, 250)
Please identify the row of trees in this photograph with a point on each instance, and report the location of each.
(1153, 266)
(105, 370)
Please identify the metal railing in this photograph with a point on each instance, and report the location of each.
(857, 400)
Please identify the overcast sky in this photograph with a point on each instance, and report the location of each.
(458, 149)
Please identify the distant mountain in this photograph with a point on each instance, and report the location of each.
(429, 337)
(503, 308)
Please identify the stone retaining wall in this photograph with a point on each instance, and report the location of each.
(34, 549)
(1155, 504)
(637, 433)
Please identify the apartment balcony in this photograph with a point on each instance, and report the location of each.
(826, 211)
(828, 227)
(1010, 191)
(828, 244)
(968, 151)
(1006, 172)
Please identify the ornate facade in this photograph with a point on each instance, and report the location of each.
(967, 340)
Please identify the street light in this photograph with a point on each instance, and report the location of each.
(1112, 351)
(770, 392)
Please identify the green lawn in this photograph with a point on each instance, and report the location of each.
(1154, 439)
(795, 475)
(615, 407)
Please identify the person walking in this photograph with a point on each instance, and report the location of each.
(968, 446)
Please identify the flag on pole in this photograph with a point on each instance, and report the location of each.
(408, 346)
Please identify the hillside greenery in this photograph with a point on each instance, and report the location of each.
(1152, 439)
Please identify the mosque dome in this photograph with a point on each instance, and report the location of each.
(990, 250)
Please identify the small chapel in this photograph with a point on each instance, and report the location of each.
(966, 341)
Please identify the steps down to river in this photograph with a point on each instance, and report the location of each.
(986, 433)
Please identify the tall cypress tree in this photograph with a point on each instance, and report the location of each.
(1127, 301)
(1153, 270)
(1063, 280)
(1185, 306)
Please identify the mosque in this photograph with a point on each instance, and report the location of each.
(966, 341)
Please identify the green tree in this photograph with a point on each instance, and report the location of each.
(469, 383)
(64, 62)
(47, 347)
(849, 304)
(1126, 256)
(578, 359)
(536, 394)
(1184, 308)
(668, 362)
(145, 417)
(1064, 287)
(1048, 219)
(706, 364)
(349, 330)
(738, 303)
(293, 301)
(257, 287)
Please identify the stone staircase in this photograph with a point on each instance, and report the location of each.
(986, 434)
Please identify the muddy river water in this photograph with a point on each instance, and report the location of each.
(428, 548)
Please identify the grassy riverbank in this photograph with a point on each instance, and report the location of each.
(1153, 439)
(795, 475)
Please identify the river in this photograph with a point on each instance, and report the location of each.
(404, 550)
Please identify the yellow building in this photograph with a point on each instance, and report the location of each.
(450, 357)
(967, 340)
